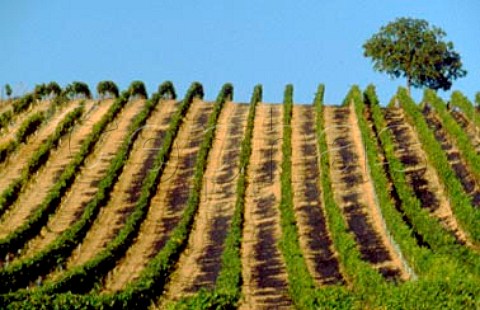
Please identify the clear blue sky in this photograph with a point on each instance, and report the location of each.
(249, 42)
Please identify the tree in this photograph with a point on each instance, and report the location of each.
(8, 90)
(413, 49)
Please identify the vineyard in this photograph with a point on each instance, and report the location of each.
(135, 202)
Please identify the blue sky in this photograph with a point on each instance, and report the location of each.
(246, 42)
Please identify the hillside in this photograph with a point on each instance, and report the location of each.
(166, 203)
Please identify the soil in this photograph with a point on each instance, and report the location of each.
(127, 190)
(420, 174)
(32, 197)
(314, 238)
(168, 204)
(9, 133)
(17, 213)
(200, 263)
(67, 214)
(265, 279)
(473, 134)
(354, 193)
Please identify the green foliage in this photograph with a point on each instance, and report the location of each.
(107, 87)
(8, 90)
(301, 284)
(167, 91)
(457, 135)
(53, 89)
(40, 91)
(418, 257)
(137, 89)
(477, 99)
(23, 271)
(467, 216)
(82, 277)
(227, 92)
(230, 278)
(38, 159)
(152, 279)
(6, 149)
(29, 126)
(448, 272)
(411, 48)
(195, 91)
(228, 285)
(5, 118)
(23, 103)
(459, 100)
(78, 89)
(366, 281)
(58, 251)
(434, 235)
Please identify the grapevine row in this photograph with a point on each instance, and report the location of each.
(39, 158)
(460, 201)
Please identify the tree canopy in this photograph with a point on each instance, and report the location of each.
(413, 49)
(8, 90)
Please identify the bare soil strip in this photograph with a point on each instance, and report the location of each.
(126, 192)
(14, 216)
(420, 174)
(9, 133)
(200, 263)
(85, 185)
(390, 186)
(62, 219)
(314, 236)
(169, 203)
(40, 183)
(11, 169)
(5, 105)
(265, 279)
(19, 117)
(470, 129)
(464, 175)
(355, 194)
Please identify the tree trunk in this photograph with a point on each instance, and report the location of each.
(409, 84)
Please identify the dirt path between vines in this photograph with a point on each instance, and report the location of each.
(421, 175)
(47, 177)
(127, 190)
(9, 133)
(20, 210)
(11, 169)
(200, 263)
(315, 240)
(455, 158)
(355, 195)
(96, 165)
(40, 184)
(167, 207)
(265, 279)
(19, 117)
(470, 129)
